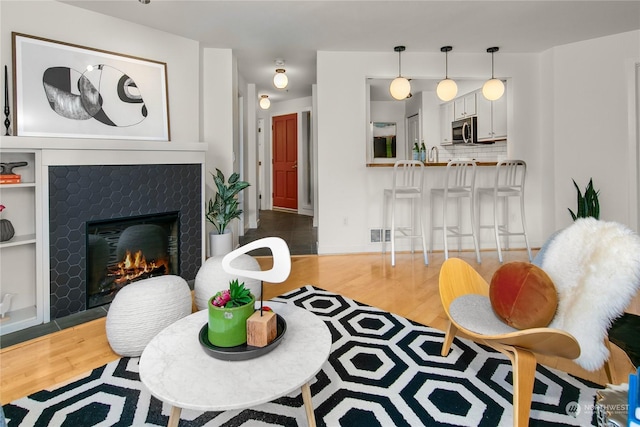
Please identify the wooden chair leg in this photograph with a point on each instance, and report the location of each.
(609, 369)
(524, 373)
(448, 339)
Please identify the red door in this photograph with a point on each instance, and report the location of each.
(285, 162)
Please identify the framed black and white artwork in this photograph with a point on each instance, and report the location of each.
(67, 90)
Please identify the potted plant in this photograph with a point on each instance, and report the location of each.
(228, 313)
(222, 209)
(588, 205)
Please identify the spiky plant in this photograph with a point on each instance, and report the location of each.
(224, 207)
(588, 205)
(236, 296)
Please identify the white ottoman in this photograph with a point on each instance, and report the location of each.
(142, 309)
(211, 278)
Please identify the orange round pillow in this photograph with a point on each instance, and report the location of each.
(523, 295)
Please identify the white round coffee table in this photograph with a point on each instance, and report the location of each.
(177, 370)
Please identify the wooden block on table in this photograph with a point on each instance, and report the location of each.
(261, 330)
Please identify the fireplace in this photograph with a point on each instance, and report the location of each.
(92, 193)
(123, 250)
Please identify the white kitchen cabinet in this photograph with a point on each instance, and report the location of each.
(446, 117)
(20, 257)
(465, 106)
(492, 118)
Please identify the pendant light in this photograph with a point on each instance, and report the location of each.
(400, 87)
(264, 102)
(493, 88)
(447, 89)
(280, 79)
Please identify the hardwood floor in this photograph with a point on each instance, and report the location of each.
(409, 289)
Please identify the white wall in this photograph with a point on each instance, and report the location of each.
(587, 125)
(61, 22)
(350, 194)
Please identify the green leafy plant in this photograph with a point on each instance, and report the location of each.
(588, 205)
(236, 296)
(224, 207)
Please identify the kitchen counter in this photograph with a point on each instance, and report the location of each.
(390, 165)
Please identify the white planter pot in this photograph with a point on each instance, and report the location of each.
(220, 244)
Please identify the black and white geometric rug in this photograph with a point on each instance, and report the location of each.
(384, 370)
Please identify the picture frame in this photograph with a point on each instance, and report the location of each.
(67, 90)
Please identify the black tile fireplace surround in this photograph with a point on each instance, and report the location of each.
(96, 192)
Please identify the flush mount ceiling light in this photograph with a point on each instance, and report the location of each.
(493, 88)
(264, 102)
(280, 80)
(400, 87)
(145, 1)
(447, 89)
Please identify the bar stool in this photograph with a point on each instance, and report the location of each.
(459, 183)
(509, 182)
(408, 184)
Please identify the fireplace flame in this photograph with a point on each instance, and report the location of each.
(135, 265)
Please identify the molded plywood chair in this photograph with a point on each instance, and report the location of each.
(509, 182)
(459, 279)
(595, 267)
(408, 184)
(459, 183)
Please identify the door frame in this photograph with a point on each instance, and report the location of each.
(297, 161)
(267, 153)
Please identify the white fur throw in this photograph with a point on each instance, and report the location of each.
(595, 266)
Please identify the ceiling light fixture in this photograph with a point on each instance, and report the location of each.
(264, 102)
(400, 87)
(493, 88)
(280, 80)
(145, 1)
(447, 89)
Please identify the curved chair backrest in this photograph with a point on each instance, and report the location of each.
(460, 174)
(511, 173)
(408, 174)
(458, 278)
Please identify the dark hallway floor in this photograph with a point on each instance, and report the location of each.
(297, 230)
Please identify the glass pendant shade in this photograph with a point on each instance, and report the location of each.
(447, 89)
(280, 80)
(264, 102)
(493, 89)
(400, 88)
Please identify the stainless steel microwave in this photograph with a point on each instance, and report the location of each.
(465, 131)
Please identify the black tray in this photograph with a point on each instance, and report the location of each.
(243, 351)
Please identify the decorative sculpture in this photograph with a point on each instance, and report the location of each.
(7, 168)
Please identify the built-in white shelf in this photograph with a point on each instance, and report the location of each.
(27, 239)
(17, 320)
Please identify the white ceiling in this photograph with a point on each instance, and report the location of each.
(262, 30)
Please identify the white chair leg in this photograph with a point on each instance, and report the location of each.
(444, 227)
(496, 227)
(524, 226)
(474, 231)
(424, 240)
(393, 232)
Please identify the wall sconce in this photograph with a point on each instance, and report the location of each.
(264, 102)
(447, 89)
(493, 88)
(400, 87)
(280, 79)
